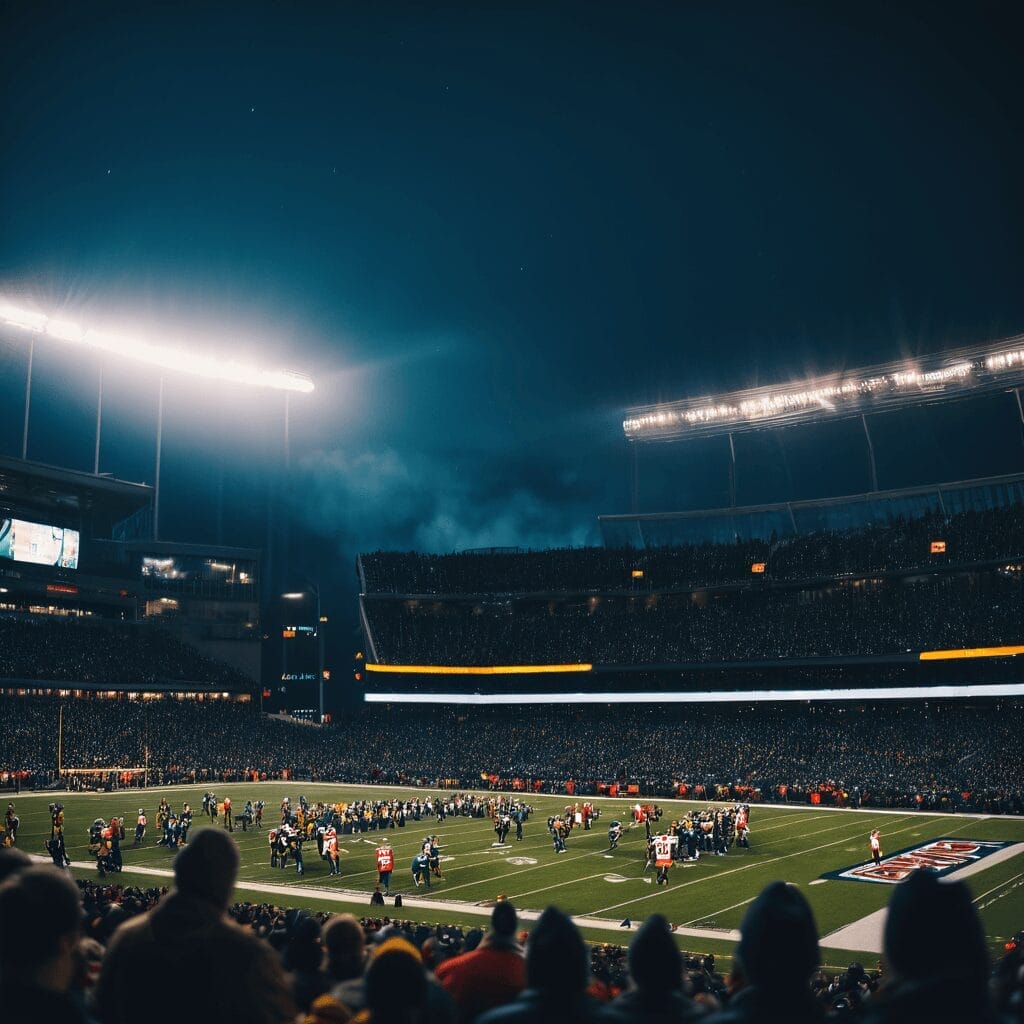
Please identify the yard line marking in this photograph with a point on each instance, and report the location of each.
(558, 885)
(996, 888)
(747, 867)
(714, 913)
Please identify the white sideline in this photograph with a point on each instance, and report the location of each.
(411, 902)
(629, 799)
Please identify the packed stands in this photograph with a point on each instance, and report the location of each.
(840, 619)
(898, 546)
(939, 756)
(85, 952)
(72, 649)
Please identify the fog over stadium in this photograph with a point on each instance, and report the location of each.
(599, 421)
(480, 278)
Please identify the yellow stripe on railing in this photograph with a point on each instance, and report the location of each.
(476, 670)
(970, 652)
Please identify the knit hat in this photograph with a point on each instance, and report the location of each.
(654, 959)
(503, 919)
(921, 910)
(207, 866)
(556, 958)
(778, 945)
(395, 979)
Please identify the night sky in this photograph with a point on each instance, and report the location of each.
(486, 229)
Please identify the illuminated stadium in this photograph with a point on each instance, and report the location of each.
(754, 632)
(512, 515)
(906, 593)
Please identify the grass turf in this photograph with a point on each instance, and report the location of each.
(795, 844)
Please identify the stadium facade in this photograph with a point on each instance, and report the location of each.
(80, 576)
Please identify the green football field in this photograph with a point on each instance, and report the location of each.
(705, 900)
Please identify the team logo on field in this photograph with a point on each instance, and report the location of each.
(940, 857)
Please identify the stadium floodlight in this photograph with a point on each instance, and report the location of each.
(164, 357)
(23, 318)
(963, 373)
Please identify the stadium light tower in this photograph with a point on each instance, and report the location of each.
(166, 358)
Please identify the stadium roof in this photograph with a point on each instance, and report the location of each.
(68, 491)
(789, 518)
(195, 550)
(957, 374)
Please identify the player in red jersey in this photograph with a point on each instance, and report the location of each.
(385, 865)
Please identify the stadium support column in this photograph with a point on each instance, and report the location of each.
(635, 481)
(285, 525)
(159, 446)
(99, 423)
(871, 453)
(732, 472)
(28, 398)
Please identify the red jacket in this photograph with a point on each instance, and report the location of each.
(487, 977)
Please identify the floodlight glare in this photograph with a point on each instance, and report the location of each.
(165, 357)
(64, 329)
(942, 377)
(22, 318)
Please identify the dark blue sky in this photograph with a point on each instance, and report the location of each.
(485, 229)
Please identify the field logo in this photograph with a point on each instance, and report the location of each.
(940, 857)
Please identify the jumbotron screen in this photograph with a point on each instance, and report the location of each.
(38, 543)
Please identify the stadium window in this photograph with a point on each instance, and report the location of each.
(938, 547)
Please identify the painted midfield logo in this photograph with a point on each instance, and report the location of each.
(940, 857)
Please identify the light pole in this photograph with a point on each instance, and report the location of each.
(159, 451)
(28, 399)
(163, 357)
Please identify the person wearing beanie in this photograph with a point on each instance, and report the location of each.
(492, 974)
(188, 934)
(557, 975)
(934, 945)
(656, 971)
(395, 986)
(774, 960)
(391, 992)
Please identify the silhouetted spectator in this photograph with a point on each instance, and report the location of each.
(343, 939)
(189, 936)
(557, 973)
(656, 969)
(774, 960)
(40, 927)
(436, 1006)
(304, 957)
(935, 947)
(491, 975)
(12, 860)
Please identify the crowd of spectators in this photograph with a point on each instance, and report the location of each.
(933, 756)
(73, 649)
(114, 962)
(896, 546)
(839, 619)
